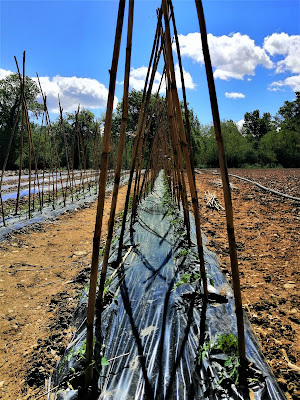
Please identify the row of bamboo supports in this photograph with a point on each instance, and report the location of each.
(171, 149)
(173, 153)
(37, 179)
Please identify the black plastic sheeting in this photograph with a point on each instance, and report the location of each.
(17, 222)
(151, 329)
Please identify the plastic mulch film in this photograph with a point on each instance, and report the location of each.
(18, 222)
(158, 340)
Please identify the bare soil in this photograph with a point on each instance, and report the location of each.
(267, 236)
(43, 270)
(42, 273)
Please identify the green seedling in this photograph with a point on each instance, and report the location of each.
(227, 344)
(187, 279)
(183, 253)
(104, 361)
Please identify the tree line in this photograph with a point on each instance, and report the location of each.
(74, 140)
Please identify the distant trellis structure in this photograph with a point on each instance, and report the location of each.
(170, 149)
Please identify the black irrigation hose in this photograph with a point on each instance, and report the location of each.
(263, 187)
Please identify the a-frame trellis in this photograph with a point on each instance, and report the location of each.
(170, 149)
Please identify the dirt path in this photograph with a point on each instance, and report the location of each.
(267, 234)
(43, 271)
(41, 274)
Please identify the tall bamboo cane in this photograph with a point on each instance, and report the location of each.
(120, 152)
(186, 110)
(175, 99)
(178, 162)
(7, 155)
(21, 143)
(226, 185)
(101, 197)
(136, 143)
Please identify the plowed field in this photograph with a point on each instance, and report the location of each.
(42, 271)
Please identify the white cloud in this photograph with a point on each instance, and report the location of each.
(233, 56)
(287, 46)
(89, 93)
(188, 80)
(234, 95)
(240, 124)
(4, 73)
(292, 81)
(138, 76)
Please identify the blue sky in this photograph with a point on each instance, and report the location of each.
(255, 50)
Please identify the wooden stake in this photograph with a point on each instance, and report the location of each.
(101, 197)
(175, 99)
(226, 185)
(120, 154)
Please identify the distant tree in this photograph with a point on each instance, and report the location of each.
(255, 126)
(9, 100)
(134, 108)
(197, 135)
(78, 130)
(281, 145)
(238, 148)
(289, 114)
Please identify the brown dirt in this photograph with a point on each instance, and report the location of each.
(42, 271)
(267, 236)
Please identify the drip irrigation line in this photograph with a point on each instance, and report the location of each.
(287, 196)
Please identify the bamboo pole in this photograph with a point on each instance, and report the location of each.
(136, 143)
(101, 198)
(57, 165)
(120, 153)
(33, 154)
(44, 160)
(175, 99)
(29, 166)
(178, 162)
(143, 111)
(140, 166)
(73, 182)
(21, 143)
(30, 139)
(226, 186)
(66, 146)
(7, 155)
(144, 182)
(143, 125)
(186, 110)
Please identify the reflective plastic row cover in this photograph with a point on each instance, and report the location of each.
(151, 334)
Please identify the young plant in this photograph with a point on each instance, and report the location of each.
(187, 279)
(226, 343)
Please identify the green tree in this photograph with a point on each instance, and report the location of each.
(134, 107)
(238, 148)
(255, 126)
(9, 101)
(289, 114)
